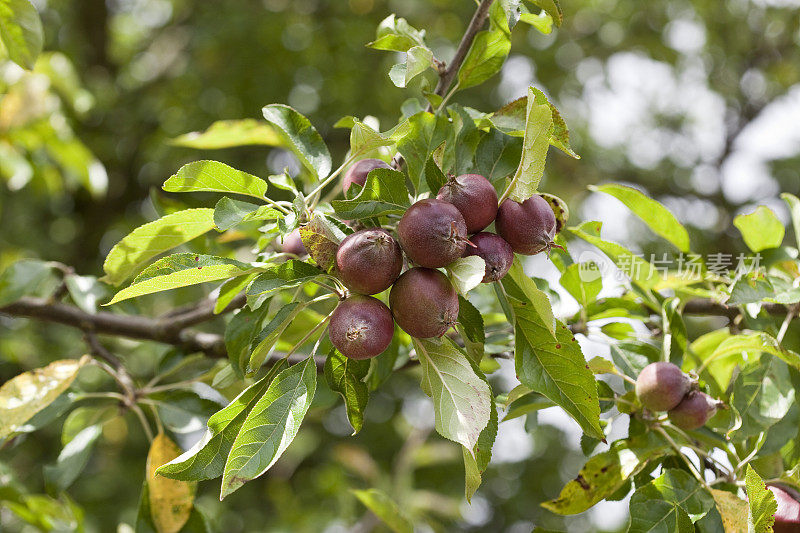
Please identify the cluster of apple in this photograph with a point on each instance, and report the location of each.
(431, 234)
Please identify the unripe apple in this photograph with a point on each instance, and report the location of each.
(293, 244)
(529, 227)
(787, 517)
(475, 198)
(661, 386)
(369, 261)
(361, 327)
(694, 411)
(432, 233)
(424, 303)
(495, 252)
(358, 172)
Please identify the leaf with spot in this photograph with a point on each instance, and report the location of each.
(321, 239)
(605, 473)
(762, 504)
(346, 376)
(170, 500)
(22, 396)
(181, 270)
(271, 425)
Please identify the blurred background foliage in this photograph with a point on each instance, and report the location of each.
(695, 102)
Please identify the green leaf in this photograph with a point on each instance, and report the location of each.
(528, 293)
(657, 217)
(470, 326)
(762, 506)
(761, 229)
(382, 366)
(639, 270)
(153, 238)
(675, 339)
(396, 34)
(538, 127)
(794, 210)
(188, 409)
(21, 31)
(385, 509)
(434, 176)
(384, 193)
(364, 139)
(171, 501)
(213, 176)
(555, 367)
(286, 275)
(476, 461)
(581, 283)
(674, 500)
(206, 459)
(72, 459)
(467, 272)
(263, 343)
(271, 425)
(497, 155)
(301, 137)
(542, 22)
(229, 290)
(86, 291)
(239, 335)
(229, 213)
(750, 288)
(511, 8)
(605, 473)
(24, 395)
(761, 395)
(230, 133)
(425, 133)
(84, 417)
(552, 7)
(632, 357)
(485, 57)
(511, 119)
(346, 376)
(181, 270)
(418, 60)
(23, 278)
(461, 399)
(321, 239)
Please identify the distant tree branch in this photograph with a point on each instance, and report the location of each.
(448, 74)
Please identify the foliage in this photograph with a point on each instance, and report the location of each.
(243, 397)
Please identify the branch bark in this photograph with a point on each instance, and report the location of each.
(168, 330)
(447, 76)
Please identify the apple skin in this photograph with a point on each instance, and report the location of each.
(787, 517)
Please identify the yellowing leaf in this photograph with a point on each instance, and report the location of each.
(28, 393)
(732, 509)
(170, 500)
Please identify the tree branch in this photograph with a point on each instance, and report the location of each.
(447, 75)
(168, 330)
